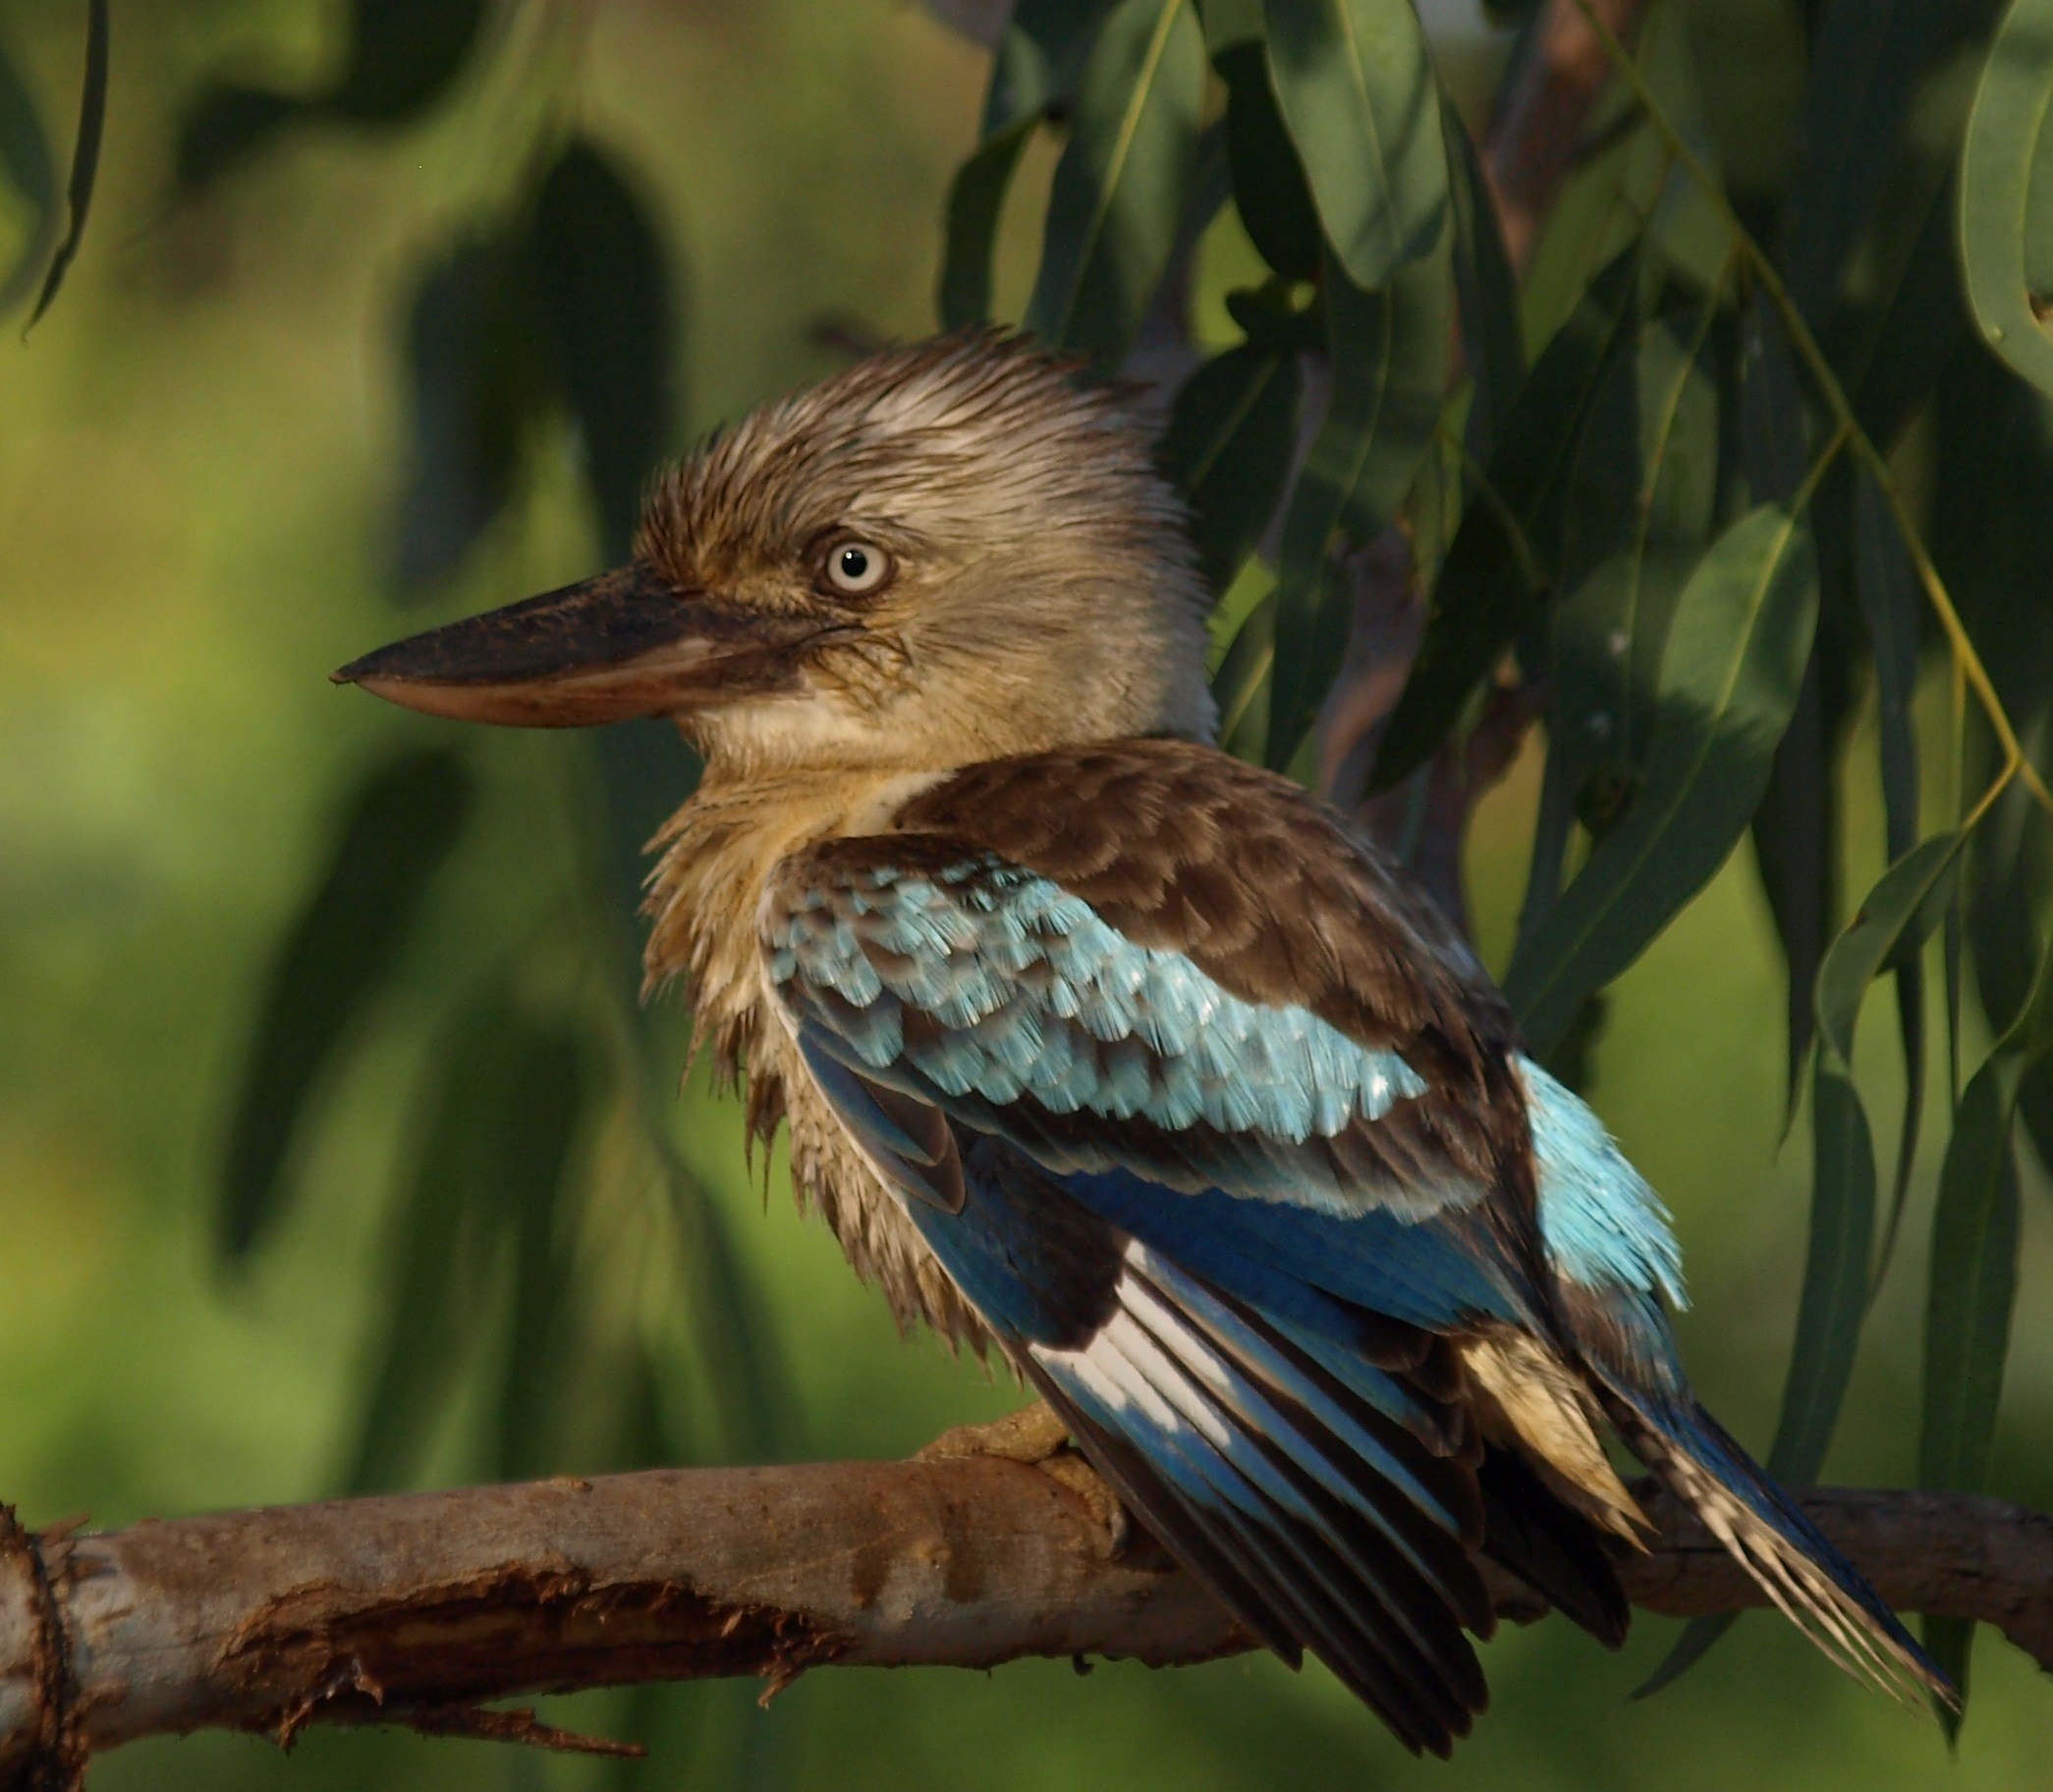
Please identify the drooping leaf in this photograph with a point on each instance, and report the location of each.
(975, 198)
(1869, 58)
(1389, 356)
(474, 388)
(1899, 913)
(1485, 289)
(606, 304)
(2002, 163)
(1730, 679)
(1122, 185)
(1358, 93)
(1240, 686)
(543, 1096)
(443, 1229)
(86, 156)
(342, 948)
(1228, 448)
(1270, 188)
(403, 55)
(1033, 76)
(1488, 592)
(30, 169)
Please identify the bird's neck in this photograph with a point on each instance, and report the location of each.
(717, 854)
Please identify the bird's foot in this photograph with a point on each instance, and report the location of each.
(1036, 1436)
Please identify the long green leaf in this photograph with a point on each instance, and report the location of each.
(1269, 188)
(1899, 915)
(1389, 357)
(1122, 185)
(1729, 682)
(976, 199)
(1487, 291)
(2001, 162)
(30, 169)
(1487, 594)
(603, 281)
(1357, 90)
(1228, 447)
(342, 949)
(1240, 686)
(86, 155)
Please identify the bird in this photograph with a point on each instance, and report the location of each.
(1132, 1062)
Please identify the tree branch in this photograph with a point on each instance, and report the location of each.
(414, 1608)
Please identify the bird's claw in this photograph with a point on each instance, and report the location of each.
(1036, 1436)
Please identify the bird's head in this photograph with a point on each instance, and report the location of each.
(947, 553)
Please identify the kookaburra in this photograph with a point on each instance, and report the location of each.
(1139, 1063)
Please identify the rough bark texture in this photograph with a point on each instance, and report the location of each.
(414, 1608)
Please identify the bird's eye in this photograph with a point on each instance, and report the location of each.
(855, 568)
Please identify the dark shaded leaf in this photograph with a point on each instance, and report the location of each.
(1358, 93)
(86, 156)
(402, 822)
(1729, 683)
(541, 1095)
(224, 128)
(1228, 448)
(1869, 61)
(1122, 185)
(1389, 354)
(1268, 186)
(30, 169)
(976, 199)
(1488, 595)
(2000, 162)
(1899, 915)
(473, 389)
(443, 1233)
(403, 55)
(1487, 291)
(1240, 686)
(606, 301)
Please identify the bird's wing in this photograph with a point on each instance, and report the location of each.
(1228, 1234)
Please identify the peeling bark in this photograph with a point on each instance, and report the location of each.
(416, 1608)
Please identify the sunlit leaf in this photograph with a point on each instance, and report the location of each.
(1389, 356)
(30, 169)
(332, 965)
(1120, 187)
(2002, 161)
(606, 302)
(1358, 93)
(86, 156)
(1228, 447)
(1729, 683)
(1488, 592)
(1240, 686)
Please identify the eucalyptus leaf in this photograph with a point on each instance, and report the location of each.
(1270, 188)
(1357, 90)
(1488, 590)
(1389, 353)
(30, 169)
(86, 156)
(1730, 680)
(2001, 163)
(1228, 447)
(334, 961)
(1121, 184)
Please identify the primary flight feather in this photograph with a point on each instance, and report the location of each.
(1139, 1063)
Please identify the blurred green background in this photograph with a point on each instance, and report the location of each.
(203, 449)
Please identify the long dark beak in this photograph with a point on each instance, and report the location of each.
(623, 644)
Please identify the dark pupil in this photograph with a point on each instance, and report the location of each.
(854, 563)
